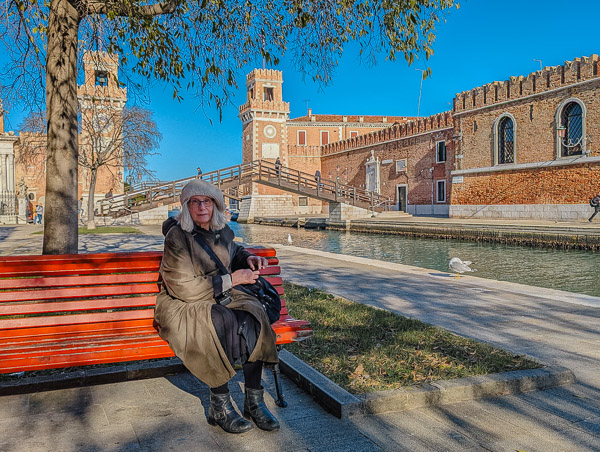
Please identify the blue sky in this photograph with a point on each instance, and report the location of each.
(481, 42)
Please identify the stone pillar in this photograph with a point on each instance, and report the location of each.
(3, 181)
(11, 172)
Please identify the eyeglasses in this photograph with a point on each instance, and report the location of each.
(207, 203)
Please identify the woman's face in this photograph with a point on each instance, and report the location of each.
(201, 209)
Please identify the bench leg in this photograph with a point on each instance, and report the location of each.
(279, 401)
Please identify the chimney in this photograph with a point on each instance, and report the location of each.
(309, 112)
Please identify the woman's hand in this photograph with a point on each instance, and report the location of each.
(257, 262)
(244, 276)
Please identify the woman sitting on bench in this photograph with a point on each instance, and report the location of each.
(209, 326)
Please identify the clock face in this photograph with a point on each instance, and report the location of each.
(102, 123)
(270, 131)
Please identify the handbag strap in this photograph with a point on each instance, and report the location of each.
(210, 253)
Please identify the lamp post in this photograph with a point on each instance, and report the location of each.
(422, 71)
(129, 179)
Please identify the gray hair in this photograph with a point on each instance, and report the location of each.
(217, 221)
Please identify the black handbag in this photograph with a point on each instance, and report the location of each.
(267, 295)
(261, 289)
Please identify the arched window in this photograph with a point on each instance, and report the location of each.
(505, 145)
(570, 128)
(506, 141)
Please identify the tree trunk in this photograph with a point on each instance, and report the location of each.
(60, 221)
(91, 224)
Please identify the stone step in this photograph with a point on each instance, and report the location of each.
(393, 214)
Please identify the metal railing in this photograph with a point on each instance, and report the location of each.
(8, 202)
(324, 189)
(231, 181)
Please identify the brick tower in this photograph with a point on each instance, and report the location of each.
(264, 116)
(101, 100)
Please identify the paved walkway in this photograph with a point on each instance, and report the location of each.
(170, 413)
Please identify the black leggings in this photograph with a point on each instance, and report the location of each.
(252, 375)
(229, 325)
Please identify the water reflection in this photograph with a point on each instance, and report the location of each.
(570, 270)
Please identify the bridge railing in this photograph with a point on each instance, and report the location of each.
(231, 179)
(286, 177)
(151, 194)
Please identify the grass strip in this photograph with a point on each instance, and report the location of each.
(365, 349)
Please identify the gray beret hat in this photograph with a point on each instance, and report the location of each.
(199, 187)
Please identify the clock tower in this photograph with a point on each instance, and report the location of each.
(264, 118)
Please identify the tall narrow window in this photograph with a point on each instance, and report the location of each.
(301, 137)
(506, 141)
(441, 191)
(570, 130)
(440, 151)
(324, 137)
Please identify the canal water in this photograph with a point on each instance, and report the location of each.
(570, 270)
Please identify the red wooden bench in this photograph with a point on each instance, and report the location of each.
(75, 310)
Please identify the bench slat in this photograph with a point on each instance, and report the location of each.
(79, 292)
(79, 346)
(60, 320)
(73, 306)
(134, 353)
(270, 270)
(81, 264)
(46, 334)
(66, 281)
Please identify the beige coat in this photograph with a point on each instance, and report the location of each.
(183, 307)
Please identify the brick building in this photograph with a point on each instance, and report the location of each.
(526, 147)
(101, 102)
(409, 163)
(529, 145)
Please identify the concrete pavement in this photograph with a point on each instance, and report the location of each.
(169, 413)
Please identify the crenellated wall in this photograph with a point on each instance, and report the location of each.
(393, 133)
(549, 78)
(269, 74)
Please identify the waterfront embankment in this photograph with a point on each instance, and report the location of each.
(539, 233)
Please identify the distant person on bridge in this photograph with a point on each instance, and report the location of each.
(209, 324)
(199, 175)
(277, 166)
(595, 203)
(318, 178)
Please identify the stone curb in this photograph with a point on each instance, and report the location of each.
(329, 395)
(342, 404)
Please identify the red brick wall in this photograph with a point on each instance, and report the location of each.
(551, 185)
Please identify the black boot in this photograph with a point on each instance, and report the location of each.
(221, 412)
(255, 408)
